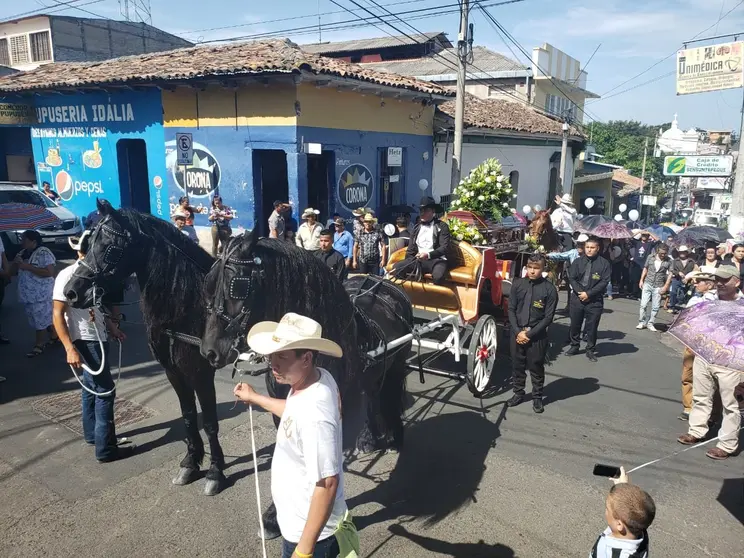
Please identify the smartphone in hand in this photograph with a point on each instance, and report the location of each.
(607, 471)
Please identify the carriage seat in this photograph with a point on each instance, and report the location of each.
(464, 263)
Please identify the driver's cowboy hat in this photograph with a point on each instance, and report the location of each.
(427, 202)
(310, 212)
(567, 199)
(358, 212)
(292, 332)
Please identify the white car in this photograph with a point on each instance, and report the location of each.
(52, 235)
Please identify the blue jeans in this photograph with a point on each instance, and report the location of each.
(676, 293)
(98, 411)
(327, 548)
(652, 295)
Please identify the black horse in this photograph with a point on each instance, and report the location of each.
(257, 280)
(170, 269)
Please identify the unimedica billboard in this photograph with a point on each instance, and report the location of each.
(710, 68)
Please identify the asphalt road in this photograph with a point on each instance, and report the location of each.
(474, 479)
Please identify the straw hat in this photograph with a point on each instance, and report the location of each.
(292, 332)
(358, 212)
(369, 218)
(310, 211)
(683, 248)
(567, 199)
(582, 238)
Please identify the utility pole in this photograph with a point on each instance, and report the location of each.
(564, 149)
(463, 46)
(643, 171)
(736, 222)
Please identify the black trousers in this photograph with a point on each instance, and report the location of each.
(370, 268)
(437, 267)
(635, 278)
(565, 240)
(528, 357)
(581, 311)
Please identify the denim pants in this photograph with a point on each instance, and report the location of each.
(327, 548)
(653, 295)
(98, 411)
(676, 293)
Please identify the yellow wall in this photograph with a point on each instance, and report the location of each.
(544, 87)
(325, 107)
(250, 105)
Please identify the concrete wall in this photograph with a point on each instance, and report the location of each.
(80, 40)
(24, 27)
(542, 87)
(532, 161)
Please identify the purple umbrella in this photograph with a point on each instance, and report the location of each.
(612, 229)
(713, 331)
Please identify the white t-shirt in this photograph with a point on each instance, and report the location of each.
(78, 319)
(308, 449)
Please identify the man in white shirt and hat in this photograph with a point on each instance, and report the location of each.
(563, 218)
(308, 235)
(307, 477)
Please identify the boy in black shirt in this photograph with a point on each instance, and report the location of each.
(531, 309)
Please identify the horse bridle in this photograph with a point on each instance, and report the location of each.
(240, 288)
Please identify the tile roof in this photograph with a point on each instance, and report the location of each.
(445, 62)
(376, 43)
(630, 183)
(500, 114)
(279, 56)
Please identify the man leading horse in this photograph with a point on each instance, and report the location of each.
(563, 218)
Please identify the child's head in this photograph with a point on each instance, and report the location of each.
(179, 221)
(629, 511)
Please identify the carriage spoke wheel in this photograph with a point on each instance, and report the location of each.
(482, 354)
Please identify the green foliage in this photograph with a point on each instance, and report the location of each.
(486, 190)
(621, 142)
(460, 230)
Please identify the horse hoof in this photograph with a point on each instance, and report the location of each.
(212, 487)
(185, 476)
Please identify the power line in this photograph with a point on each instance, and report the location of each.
(657, 78)
(722, 17)
(61, 6)
(587, 64)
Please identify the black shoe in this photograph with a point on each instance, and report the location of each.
(537, 405)
(591, 355)
(516, 399)
(572, 351)
(122, 452)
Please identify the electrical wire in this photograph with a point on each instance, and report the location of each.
(60, 6)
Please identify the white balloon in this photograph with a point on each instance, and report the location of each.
(526, 209)
(538, 208)
(423, 184)
(589, 203)
(633, 214)
(389, 229)
(622, 208)
(618, 217)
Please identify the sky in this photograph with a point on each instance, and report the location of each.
(632, 35)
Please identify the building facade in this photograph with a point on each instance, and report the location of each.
(28, 43)
(305, 129)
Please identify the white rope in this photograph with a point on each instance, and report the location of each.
(679, 452)
(255, 476)
(100, 368)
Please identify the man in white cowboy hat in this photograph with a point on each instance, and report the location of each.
(307, 477)
(308, 234)
(359, 214)
(563, 218)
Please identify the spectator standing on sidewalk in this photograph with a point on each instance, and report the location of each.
(709, 377)
(343, 241)
(34, 266)
(369, 248)
(681, 267)
(308, 235)
(277, 224)
(79, 329)
(655, 280)
(330, 256)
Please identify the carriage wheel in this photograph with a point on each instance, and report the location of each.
(482, 354)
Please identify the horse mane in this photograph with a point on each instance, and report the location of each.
(173, 286)
(293, 276)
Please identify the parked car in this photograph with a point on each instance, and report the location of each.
(53, 236)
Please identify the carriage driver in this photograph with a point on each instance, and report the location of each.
(563, 218)
(430, 242)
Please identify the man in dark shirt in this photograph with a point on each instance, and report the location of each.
(643, 248)
(532, 305)
(588, 277)
(330, 256)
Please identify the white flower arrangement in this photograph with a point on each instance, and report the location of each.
(485, 191)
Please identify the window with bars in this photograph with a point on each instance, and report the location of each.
(4, 53)
(41, 46)
(19, 49)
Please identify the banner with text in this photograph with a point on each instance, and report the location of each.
(710, 68)
(698, 165)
